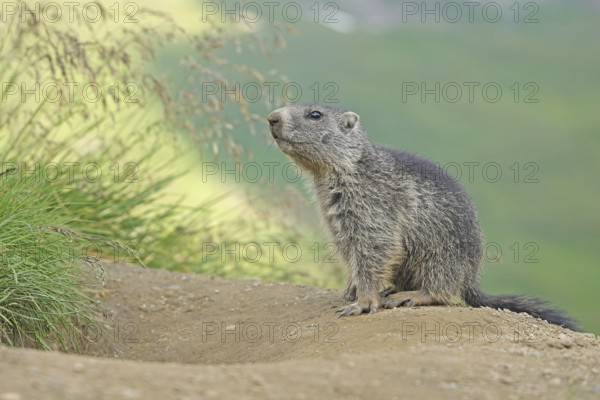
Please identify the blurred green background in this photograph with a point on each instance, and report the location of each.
(542, 134)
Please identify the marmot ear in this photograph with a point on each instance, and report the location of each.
(349, 121)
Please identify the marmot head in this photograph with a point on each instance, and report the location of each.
(318, 137)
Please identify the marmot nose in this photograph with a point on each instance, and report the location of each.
(274, 118)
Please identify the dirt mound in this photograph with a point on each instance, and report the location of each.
(186, 336)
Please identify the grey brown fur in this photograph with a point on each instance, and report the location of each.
(395, 217)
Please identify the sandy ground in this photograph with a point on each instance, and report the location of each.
(187, 336)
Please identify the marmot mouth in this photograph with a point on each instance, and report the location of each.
(279, 138)
(277, 133)
(285, 140)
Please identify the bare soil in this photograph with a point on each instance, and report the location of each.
(186, 336)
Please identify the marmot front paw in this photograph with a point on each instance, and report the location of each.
(350, 293)
(368, 304)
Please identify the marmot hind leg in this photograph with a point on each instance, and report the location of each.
(408, 299)
(388, 291)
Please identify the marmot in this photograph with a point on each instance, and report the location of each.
(395, 217)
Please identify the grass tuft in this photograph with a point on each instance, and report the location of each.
(85, 181)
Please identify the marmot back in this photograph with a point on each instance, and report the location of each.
(396, 218)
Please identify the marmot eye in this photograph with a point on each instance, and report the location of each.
(315, 115)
